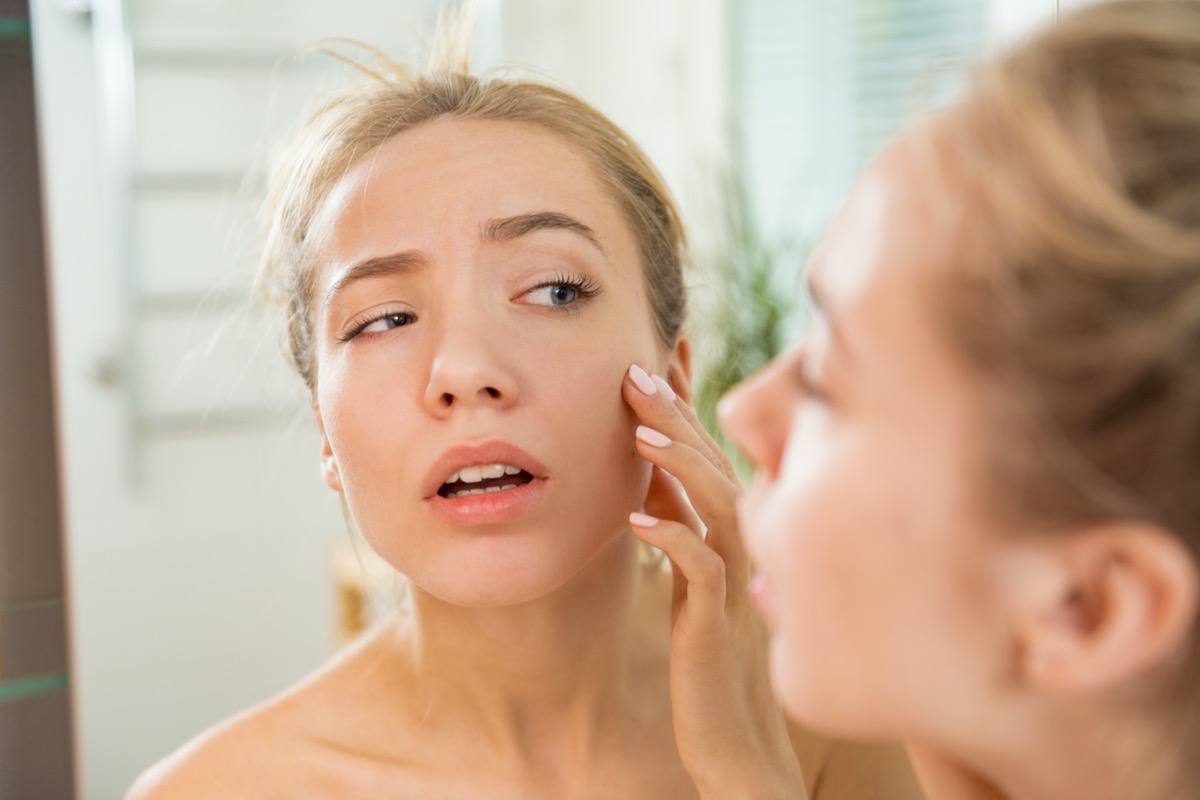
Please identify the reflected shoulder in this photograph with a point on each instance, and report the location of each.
(232, 760)
(278, 749)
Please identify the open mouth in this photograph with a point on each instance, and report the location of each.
(484, 479)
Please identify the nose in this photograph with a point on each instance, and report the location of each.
(757, 415)
(469, 369)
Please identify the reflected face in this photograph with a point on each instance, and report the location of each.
(478, 299)
(873, 561)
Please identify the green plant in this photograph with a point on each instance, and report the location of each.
(744, 315)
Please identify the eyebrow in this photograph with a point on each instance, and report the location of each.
(401, 263)
(508, 228)
(504, 229)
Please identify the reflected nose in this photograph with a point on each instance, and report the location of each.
(469, 369)
(757, 415)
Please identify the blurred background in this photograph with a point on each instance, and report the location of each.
(168, 553)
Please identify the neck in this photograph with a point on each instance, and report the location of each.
(552, 679)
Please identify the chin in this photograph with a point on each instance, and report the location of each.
(825, 703)
(500, 573)
(490, 591)
(802, 700)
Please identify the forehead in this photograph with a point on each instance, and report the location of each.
(895, 235)
(447, 175)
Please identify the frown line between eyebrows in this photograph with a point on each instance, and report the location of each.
(392, 264)
(509, 228)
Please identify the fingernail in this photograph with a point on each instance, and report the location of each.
(652, 437)
(643, 520)
(667, 391)
(641, 380)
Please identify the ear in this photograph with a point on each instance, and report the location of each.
(329, 466)
(679, 368)
(1121, 601)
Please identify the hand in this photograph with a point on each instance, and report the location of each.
(729, 728)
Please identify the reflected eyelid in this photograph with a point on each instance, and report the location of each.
(823, 313)
(401, 263)
(814, 289)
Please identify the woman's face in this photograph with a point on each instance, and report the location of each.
(478, 299)
(875, 566)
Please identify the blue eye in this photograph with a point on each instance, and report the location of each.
(554, 295)
(561, 292)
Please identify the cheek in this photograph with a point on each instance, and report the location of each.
(869, 552)
(829, 546)
(798, 531)
(372, 422)
(579, 398)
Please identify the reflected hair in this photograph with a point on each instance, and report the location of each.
(393, 98)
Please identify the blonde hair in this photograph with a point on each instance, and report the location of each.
(1076, 287)
(393, 99)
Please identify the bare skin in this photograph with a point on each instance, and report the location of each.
(293, 747)
(389, 739)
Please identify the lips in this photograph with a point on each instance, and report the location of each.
(761, 593)
(486, 453)
(762, 596)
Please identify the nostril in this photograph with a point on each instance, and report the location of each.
(448, 399)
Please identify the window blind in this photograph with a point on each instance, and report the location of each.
(820, 87)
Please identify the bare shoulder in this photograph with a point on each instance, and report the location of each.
(283, 748)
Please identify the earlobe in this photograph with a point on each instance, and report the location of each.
(679, 371)
(329, 466)
(1125, 605)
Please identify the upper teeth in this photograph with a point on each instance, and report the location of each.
(483, 472)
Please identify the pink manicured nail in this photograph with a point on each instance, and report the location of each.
(652, 437)
(643, 520)
(641, 380)
(667, 391)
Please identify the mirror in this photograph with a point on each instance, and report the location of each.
(207, 563)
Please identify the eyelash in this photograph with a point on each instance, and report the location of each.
(585, 287)
(359, 325)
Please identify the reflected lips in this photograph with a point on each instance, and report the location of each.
(493, 507)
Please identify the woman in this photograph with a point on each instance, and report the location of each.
(468, 269)
(978, 491)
